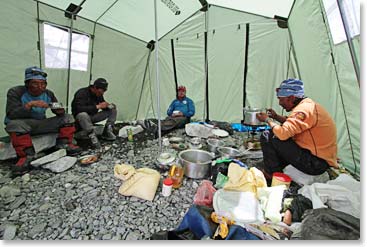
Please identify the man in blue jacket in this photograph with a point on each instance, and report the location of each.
(182, 108)
(26, 107)
(179, 113)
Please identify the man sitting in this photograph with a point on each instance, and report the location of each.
(89, 107)
(179, 113)
(26, 115)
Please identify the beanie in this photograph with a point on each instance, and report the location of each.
(101, 83)
(34, 73)
(291, 87)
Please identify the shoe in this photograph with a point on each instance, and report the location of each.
(22, 166)
(108, 134)
(71, 149)
(94, 140)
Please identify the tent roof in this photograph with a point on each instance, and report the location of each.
(267, 8)
(136, 18)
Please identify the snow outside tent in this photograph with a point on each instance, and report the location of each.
(229, 54)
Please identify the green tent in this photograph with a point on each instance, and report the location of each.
(229, 55)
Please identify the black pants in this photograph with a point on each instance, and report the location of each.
(278, 154)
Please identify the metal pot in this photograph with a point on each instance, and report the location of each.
(229, 152)
(196, 163)
(213, 144)
(249, 116)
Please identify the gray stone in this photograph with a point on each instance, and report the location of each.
(36, 230)
(133, 236)
(61, 164)
(9, 191)
(26, 178)
(40, 143)
(104, 168)
(45, 207)
(49, 158)
(19, 201)
(5, 180)
(9, 232)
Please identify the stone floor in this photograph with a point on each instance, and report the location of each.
(83, 202)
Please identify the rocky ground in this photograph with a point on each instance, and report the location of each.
(83, 202)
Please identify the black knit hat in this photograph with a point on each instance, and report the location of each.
(101, 83)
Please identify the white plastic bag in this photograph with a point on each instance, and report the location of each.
(242, 206)
(303, 178)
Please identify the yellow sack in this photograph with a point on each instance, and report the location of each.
(142, 183)
(123, 171)
(241, 179)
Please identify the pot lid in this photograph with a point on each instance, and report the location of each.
(220, 132)
(166, 158)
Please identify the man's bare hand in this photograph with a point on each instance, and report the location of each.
(102, 105)
(36, 103)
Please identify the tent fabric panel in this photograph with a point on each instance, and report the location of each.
(149, 107)
(318, 72)
(226, 68)
(189, 52)
(192, 26)
(123, 70)
(267, 64)
(18, 42)
(222, 18)
(351, 97)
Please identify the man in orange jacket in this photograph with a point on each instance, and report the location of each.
(306, 138)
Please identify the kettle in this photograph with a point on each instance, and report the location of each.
(249, 116)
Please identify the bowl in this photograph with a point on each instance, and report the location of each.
(229, 152)
(196, 163)
(213, 144)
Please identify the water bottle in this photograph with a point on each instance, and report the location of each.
(130, 137)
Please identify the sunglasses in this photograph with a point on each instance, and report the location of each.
(36, 72)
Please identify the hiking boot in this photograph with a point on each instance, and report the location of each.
(23, 164)
(65, 141)
(70, 148)
(94, 140)
(108, 134)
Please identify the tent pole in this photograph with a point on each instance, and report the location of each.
(157, 75)
(349, 40)
(174, 64)
(39, 35)
(206, 109)
(142, 85)
(69, 62)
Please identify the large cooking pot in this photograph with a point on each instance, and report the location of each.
(196, 163)
(249, 116)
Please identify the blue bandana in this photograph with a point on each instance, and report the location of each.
(291, 87)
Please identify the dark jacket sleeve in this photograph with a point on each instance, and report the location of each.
(14, 106)
(81, 103)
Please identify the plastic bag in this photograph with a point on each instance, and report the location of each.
(204, 194)
(220, 181)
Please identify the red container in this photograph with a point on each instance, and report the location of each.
(280, 178)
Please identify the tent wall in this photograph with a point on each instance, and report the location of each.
(18, 46)
(333, 86)
(226, 51)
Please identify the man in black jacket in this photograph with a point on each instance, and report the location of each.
(89, 107)
(26, 115)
